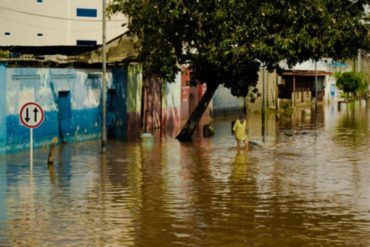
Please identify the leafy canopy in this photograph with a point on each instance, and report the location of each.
(226, 41)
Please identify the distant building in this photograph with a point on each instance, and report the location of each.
(55, 23)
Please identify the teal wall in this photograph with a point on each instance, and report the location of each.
(3, 191)
(2, 106)
(19, 85)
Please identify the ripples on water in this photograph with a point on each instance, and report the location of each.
(305, 186)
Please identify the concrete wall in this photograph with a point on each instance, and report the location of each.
(152, 108)
(134, 91)
(43, 86)
(3, 194)
(46, 86)
(171, 105)
(117, 105)
(49, 86)
(2, 105)
(270, 91)
(185, 92)
(173, 109)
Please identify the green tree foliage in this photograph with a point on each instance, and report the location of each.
(4, 54)
(349, 82)
(226, 41)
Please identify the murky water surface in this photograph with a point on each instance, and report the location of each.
(307, 185)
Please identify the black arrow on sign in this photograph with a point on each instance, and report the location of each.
(35, 115)
(27, 116)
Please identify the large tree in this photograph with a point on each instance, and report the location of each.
(226, 41)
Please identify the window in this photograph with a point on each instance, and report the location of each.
(81, 12)
(39, 1)
(7, 33)
(86, 42)
(40, 34)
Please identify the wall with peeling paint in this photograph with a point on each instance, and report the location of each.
(3, 179)
(171, 105)
(81, 89)
(152, 103)
(46, 86)
(2, 106)
(134, 91)
(117, 105)
(3, 191)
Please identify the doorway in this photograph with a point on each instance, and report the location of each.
(64, 114)
(111, 113)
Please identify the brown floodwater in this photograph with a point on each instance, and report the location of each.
(305, 184)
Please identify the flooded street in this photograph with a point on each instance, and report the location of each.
(306, 185)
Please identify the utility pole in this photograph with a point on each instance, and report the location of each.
(316, 97)
(104, 83)
(358, 67)
(263, 103)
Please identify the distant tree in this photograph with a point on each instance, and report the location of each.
(349, 82)
(4, 54)
(226, 41)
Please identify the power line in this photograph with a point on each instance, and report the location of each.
(56, 17)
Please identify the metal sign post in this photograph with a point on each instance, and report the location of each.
(31, 116)
(104, 82)
(31, 148)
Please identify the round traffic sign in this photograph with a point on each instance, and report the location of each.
(31, 115)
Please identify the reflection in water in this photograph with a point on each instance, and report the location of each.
(52, 174)
(306, 185)
(239, 166)
(353, 124)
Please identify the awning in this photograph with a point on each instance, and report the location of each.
(309, 73)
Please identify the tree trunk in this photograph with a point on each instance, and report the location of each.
(196, 115)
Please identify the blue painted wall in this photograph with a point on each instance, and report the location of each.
(2, 106)
(44, 86)
(3, 189)
(117, 117)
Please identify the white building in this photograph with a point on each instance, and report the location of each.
(55, 23)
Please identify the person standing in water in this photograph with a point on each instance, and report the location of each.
(240, 131)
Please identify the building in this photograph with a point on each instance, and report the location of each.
(71, 100)
(300, 84)
(55, 23)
